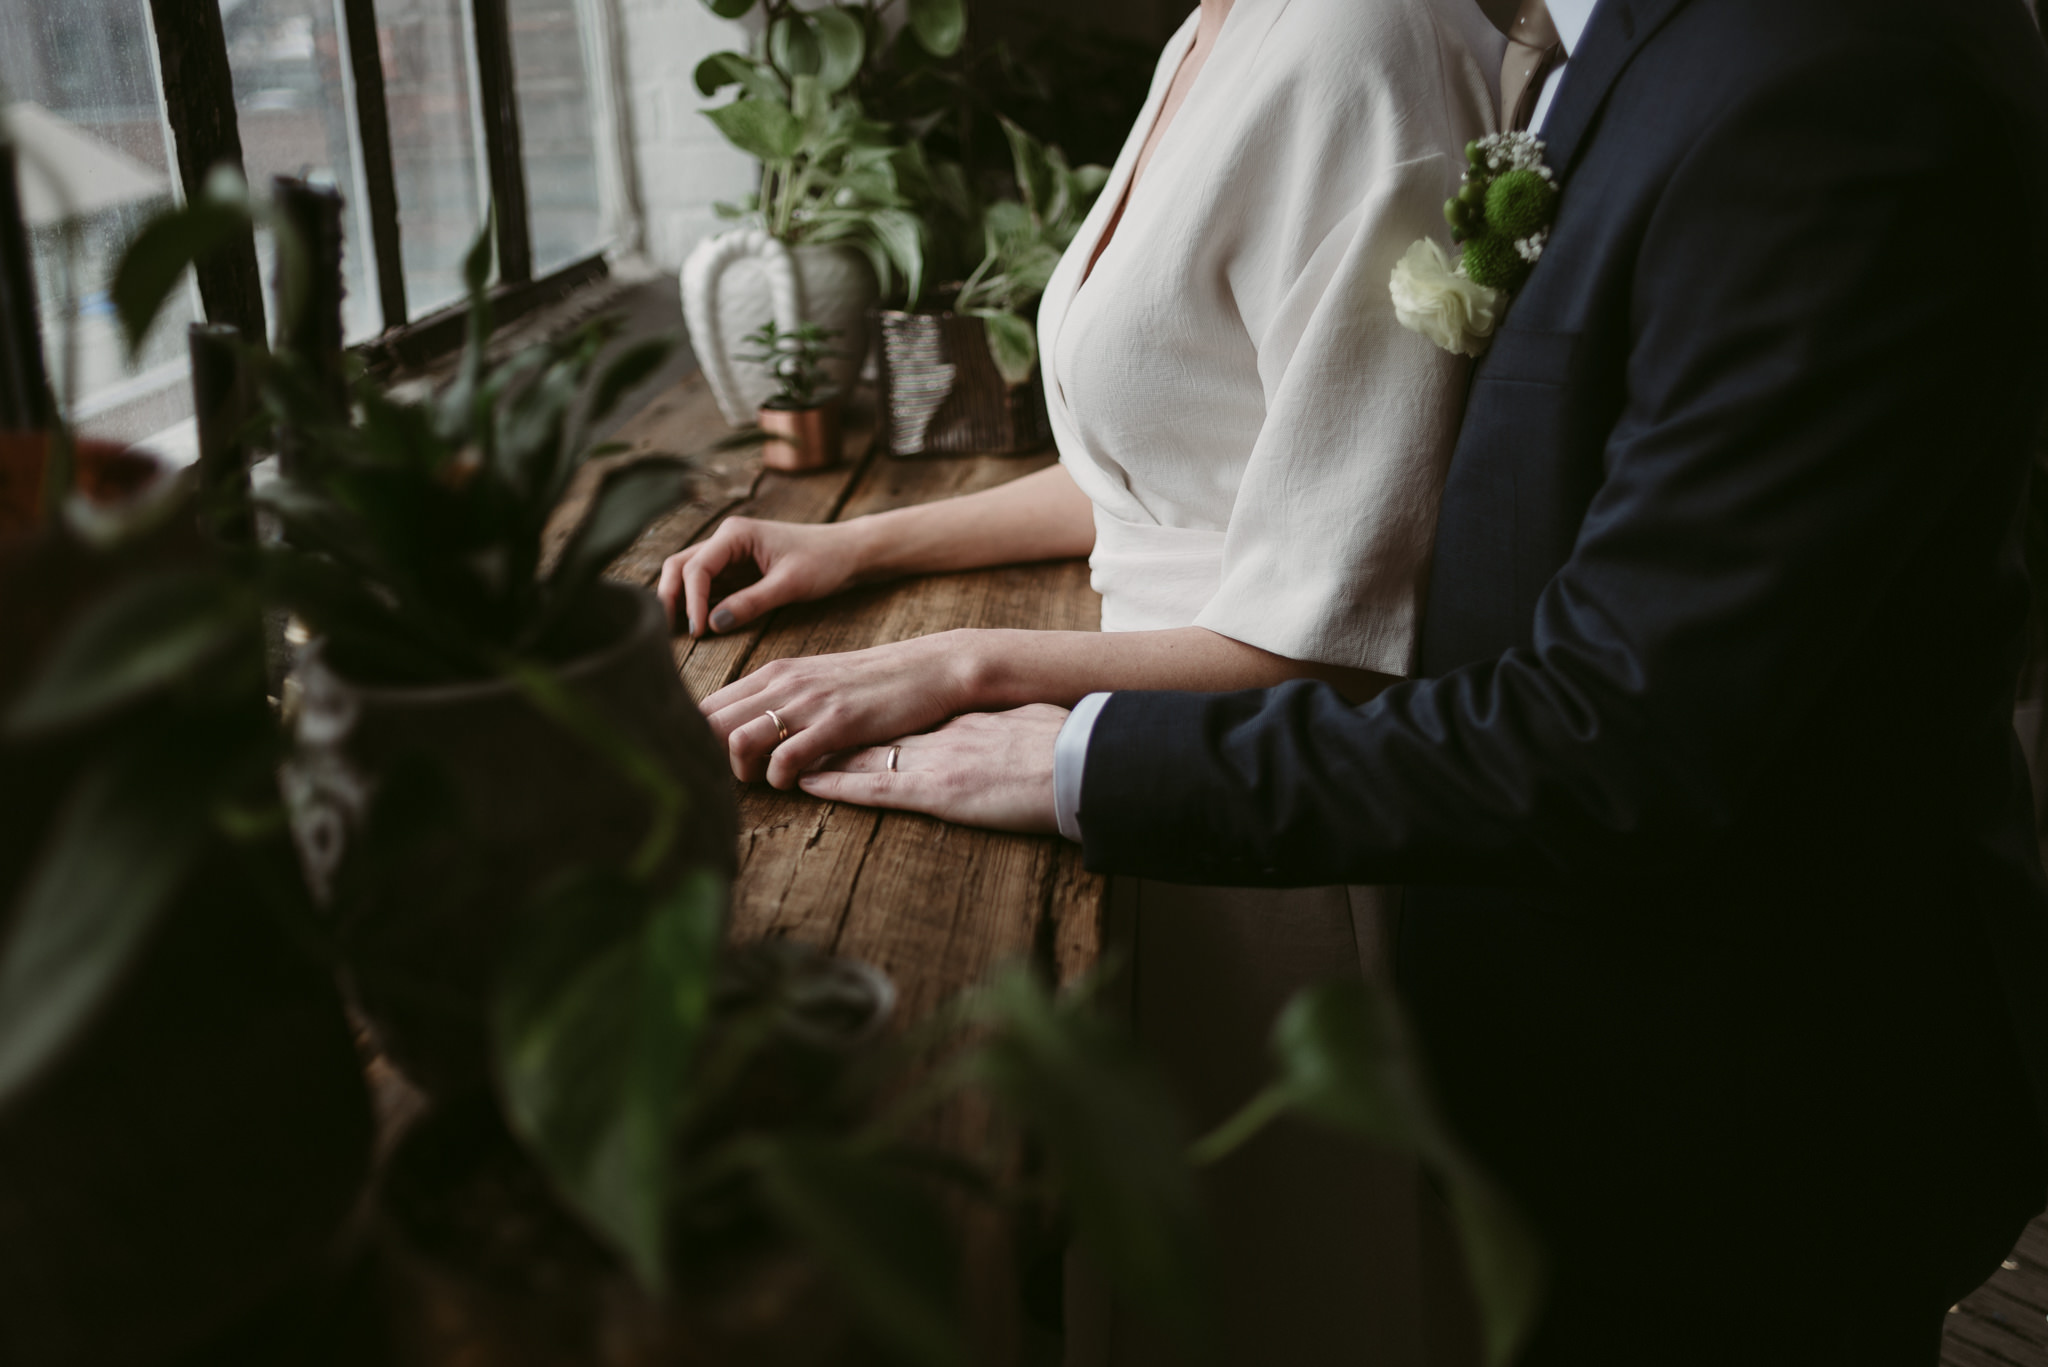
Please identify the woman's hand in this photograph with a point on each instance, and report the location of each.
(830, 703)
(797, 562)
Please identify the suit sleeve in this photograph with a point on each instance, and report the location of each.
(1824, 355)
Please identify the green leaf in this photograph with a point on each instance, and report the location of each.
(1343, 1063)
(877, 1233)
(530, 426)
(760, 128)
(728, 9)
(159, 255)
(939, 25)
(635, 365)
(368, 631)
(1088, 183)
(1346, 1060)
(842, 47)
(1111, 1133)
(1034, 171)
(754, 77)
(1012, 344)
(715, 73)
(598, 1012)
(129, 832)
(1505, 1261)
(808, 102)
(900, 234)
(146, 635)
(628, 500)
(793, 45)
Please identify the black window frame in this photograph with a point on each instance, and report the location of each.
(199, 101)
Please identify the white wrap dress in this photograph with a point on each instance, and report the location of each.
(1265, 447)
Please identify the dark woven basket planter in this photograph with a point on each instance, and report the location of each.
(942, 395)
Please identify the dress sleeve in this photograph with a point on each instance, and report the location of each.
(1328, 547)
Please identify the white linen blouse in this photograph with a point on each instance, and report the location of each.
(1264, 444)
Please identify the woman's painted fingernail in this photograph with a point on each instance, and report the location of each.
(722, 620)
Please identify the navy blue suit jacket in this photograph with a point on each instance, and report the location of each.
(1723, 890)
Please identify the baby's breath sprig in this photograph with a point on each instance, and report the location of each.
(1502, 213)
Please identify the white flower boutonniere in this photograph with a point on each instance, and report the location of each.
(1502, 218)
(1433, 298)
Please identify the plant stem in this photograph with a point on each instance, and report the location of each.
(1257, 1113)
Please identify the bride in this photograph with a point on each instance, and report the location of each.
(1251, 454)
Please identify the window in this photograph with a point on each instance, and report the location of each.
(550, 72)
(292, 106)
(83, 105)
(428, 59)
(389, 101)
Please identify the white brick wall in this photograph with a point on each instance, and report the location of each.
(681, 166)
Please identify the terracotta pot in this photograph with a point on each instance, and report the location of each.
(521, 801)
(801, 438)
(108, 472)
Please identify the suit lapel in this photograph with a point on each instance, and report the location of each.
(1618, 29)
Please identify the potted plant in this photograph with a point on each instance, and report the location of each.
(801, 419)
(965, 378)
(461, 662)
(183, 1122)
(832, 227)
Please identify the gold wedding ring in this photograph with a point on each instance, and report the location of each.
(895, 752)
(781, 731)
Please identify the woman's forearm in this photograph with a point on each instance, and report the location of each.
(1043, 516)
(1013, 668)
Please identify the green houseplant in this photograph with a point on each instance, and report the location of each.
(965, 378)
(801, 419)
(832, 226)
(183, 1120)
(1024, 239)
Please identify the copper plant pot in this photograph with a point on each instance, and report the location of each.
(801, 438)
(108, 472)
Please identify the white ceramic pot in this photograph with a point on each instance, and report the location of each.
(738, 280)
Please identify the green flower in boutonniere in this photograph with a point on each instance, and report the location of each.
(1501, 217)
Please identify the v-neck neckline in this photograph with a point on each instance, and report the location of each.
(1105, 237)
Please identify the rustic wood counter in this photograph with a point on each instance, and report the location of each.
(938, 906)
(934, 905)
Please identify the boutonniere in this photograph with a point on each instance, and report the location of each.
(1500, 219)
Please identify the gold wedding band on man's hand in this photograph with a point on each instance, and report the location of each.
(895, 753)
(781, 731)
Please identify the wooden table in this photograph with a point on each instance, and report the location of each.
(936, 906)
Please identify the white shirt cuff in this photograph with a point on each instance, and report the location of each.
(1070, 761)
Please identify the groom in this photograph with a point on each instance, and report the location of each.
(1725, 931)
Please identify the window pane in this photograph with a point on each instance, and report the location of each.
(88, 120)
(556, 133)
(292, 101)
(436, 143)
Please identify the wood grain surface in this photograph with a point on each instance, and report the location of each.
(938, 907)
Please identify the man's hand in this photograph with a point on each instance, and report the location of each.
(990, 769)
